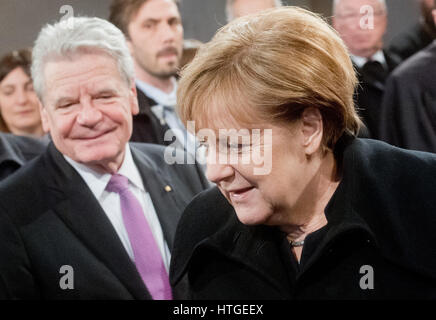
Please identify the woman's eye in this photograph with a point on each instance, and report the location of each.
(238, 146)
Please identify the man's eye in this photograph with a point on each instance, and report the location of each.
(66, 105)
(104, 97)
(149, 25)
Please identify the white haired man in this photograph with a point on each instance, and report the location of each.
(93, 217)
(362, 25)
(239, 8)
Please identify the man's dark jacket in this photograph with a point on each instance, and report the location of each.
(146, 126)
(408, 112)
(369, 92)
(378, 243)
(49, 219)
(409, 42)
(15, 151)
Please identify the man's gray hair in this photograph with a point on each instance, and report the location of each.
(336, 2)
(229, 8)
(74, 35)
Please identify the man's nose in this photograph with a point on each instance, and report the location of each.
(89, 115)
(167, 32)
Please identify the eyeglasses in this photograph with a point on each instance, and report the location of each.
(358, 16)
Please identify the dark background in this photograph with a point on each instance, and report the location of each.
(21, 20)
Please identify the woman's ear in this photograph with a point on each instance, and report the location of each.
(312, 129)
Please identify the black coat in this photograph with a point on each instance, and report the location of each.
(409, 42)
(382, 216)
(146, 126)
(15, 151)
(369, 94)
(408, 112)
(49, 218)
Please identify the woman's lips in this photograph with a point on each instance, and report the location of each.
(26, 112)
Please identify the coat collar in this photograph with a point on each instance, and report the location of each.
(257, 247)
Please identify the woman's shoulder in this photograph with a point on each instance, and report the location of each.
(208, 212)
(208, 215)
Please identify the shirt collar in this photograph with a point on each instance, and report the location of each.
(162, 98)
(378, 56)
(97, 181)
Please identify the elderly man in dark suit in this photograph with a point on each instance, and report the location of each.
(361, 25)
(93, 217)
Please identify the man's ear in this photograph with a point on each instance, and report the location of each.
(312, 129)
(130, 46)
(44, 117)
(133, 98)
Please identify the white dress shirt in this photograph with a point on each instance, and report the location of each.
(110, 201)
(378, 56)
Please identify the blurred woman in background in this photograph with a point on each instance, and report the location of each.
(19, 112)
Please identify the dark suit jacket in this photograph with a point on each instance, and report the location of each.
(49, 218)
(411, 41)
(15, 151)
(408, 111)
(382, 215)
(146, 126)
(369, 94)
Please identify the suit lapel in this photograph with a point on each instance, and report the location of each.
(82, 213)
(161, 193)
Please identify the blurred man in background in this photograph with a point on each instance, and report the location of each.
(362, 24)
(239, 8)
(154, 33)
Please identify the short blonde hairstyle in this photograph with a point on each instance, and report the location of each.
(270, 67)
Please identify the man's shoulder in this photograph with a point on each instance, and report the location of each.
(417, 65)
(23, 193)
(20, 146)
(174, 164)
(158, 157)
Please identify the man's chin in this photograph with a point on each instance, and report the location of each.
(166, 70)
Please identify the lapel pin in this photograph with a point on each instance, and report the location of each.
(168, 189)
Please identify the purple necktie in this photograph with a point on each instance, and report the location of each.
(148, 259)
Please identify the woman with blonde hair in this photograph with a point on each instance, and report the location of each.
(329, 216)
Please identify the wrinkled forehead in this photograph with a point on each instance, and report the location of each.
(68, 73)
